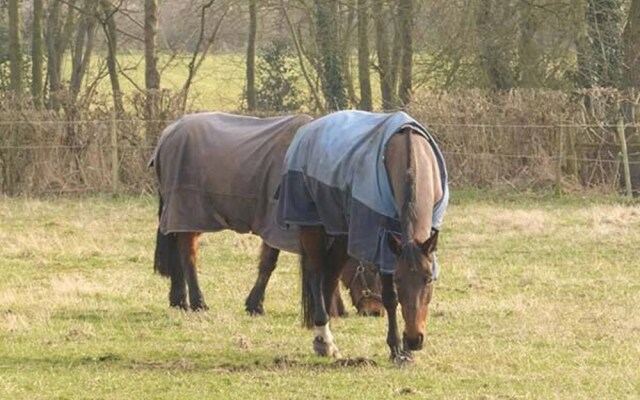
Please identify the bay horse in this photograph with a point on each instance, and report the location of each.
(220, 171)
(391, 191)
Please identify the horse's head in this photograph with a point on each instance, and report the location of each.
(413, 278)
(363, 282)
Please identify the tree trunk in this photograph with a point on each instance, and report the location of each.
(111, 34)
(333, 82)
(405, 17)
(83, 47)
(251, 57)
(363, 56)
(53, 64)
(57, 40)
(152, 77)
(396, 51)
(15, 47)
(528, 52)
(37, 53)
(493, 54)
(382, 49)
(345, 39)
(631, 36)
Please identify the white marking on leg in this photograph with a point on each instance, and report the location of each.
(323, 343)
(324, 333)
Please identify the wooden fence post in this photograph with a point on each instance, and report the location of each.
(625, 156)
(560, 159)
(115, 167)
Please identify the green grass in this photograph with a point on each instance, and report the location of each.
(539, 298)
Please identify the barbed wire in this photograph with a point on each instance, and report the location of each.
(554, 158)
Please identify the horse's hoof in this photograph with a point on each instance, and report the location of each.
(402, 359)
(324, 349)
(254, 310)
(199, 307)
(181, 305)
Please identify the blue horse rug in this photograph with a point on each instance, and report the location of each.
(334, 175)
(220, 171)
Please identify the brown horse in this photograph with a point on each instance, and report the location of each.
(416, 181)
(220, 171)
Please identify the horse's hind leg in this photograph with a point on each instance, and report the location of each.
(188, 247)
(268, 260)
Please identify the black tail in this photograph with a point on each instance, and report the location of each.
(307, 297)
(166, 255)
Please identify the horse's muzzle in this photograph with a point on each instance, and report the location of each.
(413, 344)
(367, 313)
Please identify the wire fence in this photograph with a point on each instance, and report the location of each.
(111, 155)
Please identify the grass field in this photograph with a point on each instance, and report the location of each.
(539, 298)
(218, 84)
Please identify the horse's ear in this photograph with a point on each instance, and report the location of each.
(395, 243)
(430, 245)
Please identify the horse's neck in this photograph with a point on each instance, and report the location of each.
(427, 190)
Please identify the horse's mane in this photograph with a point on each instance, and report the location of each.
(409, 213)
(411, 253)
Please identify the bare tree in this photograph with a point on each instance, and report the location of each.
(405, 19)
(201, 48)
(364, 77)
(600, 47)
(109, 27)
(384, 58)
(529, 57)
(15, 46)
(631, 36)
(494, 51)
(83, 46)
(57, 39)
(251, 56)
(151, 75)
(333, 81)
(37, 53)
(295, 37)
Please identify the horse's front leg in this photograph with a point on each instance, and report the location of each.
(188, 247)
(268, 260)
(390, 300)
(314, 257)
(337, 258)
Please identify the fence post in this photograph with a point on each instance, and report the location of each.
(560, 158)
(115, 167)
(625, 156)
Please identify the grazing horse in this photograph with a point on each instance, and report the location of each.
(220, 171)
(374, 187)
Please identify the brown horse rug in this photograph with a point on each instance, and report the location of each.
(220, 171)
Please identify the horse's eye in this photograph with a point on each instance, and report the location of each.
(427, 280)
